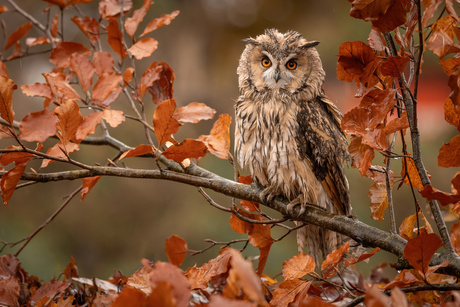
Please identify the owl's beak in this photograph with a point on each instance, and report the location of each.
(277, 74)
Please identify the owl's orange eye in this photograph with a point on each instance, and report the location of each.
(291, 65)
(266, 62)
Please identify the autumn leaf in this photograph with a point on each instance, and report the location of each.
(394, 66)
(60, 87)
(188, 148)
(420, 250)
(445, 199)
(37, 41)
(162, 88)
(407, 228)
(287, 291)
(60, 56)
(113, 117)
(7, 87)
(128, 75)
(449, 154)
(194, 112)
(14, 156)
(200, 277)
(455, 237)
(150, 75)
(143, 48)
(69, 119)
(441, 41)
(176, 250)
(112, 8)
(162, 295)
(164, 20)
(410, 173)
(404, 279)
(397, 124)
(10, 180)
(71, 270)
(298, 266)
(115, 38)
(218, 142)
(89, 26)
(353, 260)
(103, 63)
(167, 272)
(88, 125)
(50, 289)
(133, 22)
(3, 71)
(333, 260)
(140, 150)
(59, 151)
(130, 296)
(107, 89)
(452, 113)
(37, 89)
(361, 154)
(38, 126)
(378, 191)
(219, 300)
(83, 68)
(163, 122)
(18, 34)
(375, 297)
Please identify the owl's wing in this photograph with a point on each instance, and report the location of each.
(321, 142)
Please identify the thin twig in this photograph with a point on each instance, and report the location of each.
(389, 185)
(212, 202)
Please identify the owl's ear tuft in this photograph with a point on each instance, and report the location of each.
(309, 45)
(251, 41)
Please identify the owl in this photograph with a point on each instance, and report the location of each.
(288, 132)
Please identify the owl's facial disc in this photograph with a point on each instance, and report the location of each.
(277, 73)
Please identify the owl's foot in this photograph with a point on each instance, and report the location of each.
(295, 202)
(267, 196)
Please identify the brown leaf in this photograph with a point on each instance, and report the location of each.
(10, 180)
(441, 41)
(188, 148)
(83, 68)
(37, 89)
(288, 290)
(176, 250)
(162, 88)
(9, 294)
(89, 26)
(3, 9)
(103, 63)
(161, 295)
(298, 266)
(429, 8)
(452, 113)
(394, 16)
(143, 48)
(419, 250)
(50, 289)
(88, 184)
(163, 122)
(194, 112)
(445, 199)
(164, 20)
(69, 117)
(167, 272)
(218, 301)
(376, 40)
(130, 296)
(71, 269)
(449, 154)
(112, 8)
(138, 151)
(58, 151)
(218, 142)
(37, 41)
(369, 10)
(361, 154)
(455, 237)
(128, 75)
(150, 75)
(411, 173)
(60, 87)
(107, 89)
(374, 297)
(38, 126)
(113, 117)
(115, 37)
(7, 87)
(200, 277)
(397, 124)
(404, 279)
(88, 125)
(353, 260)
(16, 157)
(54, 25)
(394, 66)
(3, 71)
(407, 228)
(133, 22)
(378, 192)
(334, 259)
(263, 257)
(18, 34)
(60, 56)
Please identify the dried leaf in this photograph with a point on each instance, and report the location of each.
(200, 277)
(353, 260)
(397, 124)
(176, 250)
(3, 9)
(37, 41)
(10, 291)
(412, 175)
(361, 154)
(394, 17)
(394, 66)
(455, 236)
(288, 290)
(162, 295)
(7, 87)
(298, 266)
(164, 20)
(71, 269)
(10, 180)
(37, 89)
(60, 87)
(194, 112)
(445, 199)
(163, 122)
(218, 301)
(143, 48)
(88, 184)
(113, 117)
(54, 25)
(441, 41)
(162, 88)
(112, 8)
(189, 148)
(334, 259)
(452, 113)
(369, 10)
(130, 296)
(89, 26)
(128, 75)
(103, 63)
(132, 23)
(38, 126)
(419, 250)
(167, 272)
(18, 34)
(58, 151)
(375, 297)
(69, 117)
(50, 289)
(60, 56)
(449, 154)
(16, 157)
(115, 38)
(138, 151)
(429, 8)
(378, 192)
(107, 89)
(88, 125)
(83, 68)
(150, 75)
(218, 142)
(403, 279)
(3, 71)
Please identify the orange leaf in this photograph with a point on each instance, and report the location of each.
(112, 8)
(50, 289)
(288, 290)
(333, 259)
(113, 117)
(88, 125)
(444, 198)
(7, 87)
(362, 257)
(89, 26)
(419, 250)
(132, 23)
(161, 295)
(83, 68)
(298, 266)
(37, 89)
(217, 300)
(103, 63)
(138, 151)
(404, 279)
(176, 249)
(455, 236)
(200, 277)
(378, 192)
(189, 148)
(397, 124)
(164, 20)
(361, 154)
(36, 41)
(194, 112)
(130, 296)
(163, 122)
(128, 75)
(394, 66)
(263, 258)
(449, 154)
(452, 113)
(218, 141)
(3, 71)
(115, 38)
(60, 56)
(18, 34)
(58, 151)
(10, 180)
(60, 87)
(375, 297)
(412, 173)
(38, 126)
(16, 157)
(71, 269)
(162, 88)
(88, 184)
(54, 25)
(150, 75)
(3, 9)
(441, 41)
(107, 89)
(167, 272)
(143, 48)
(69, 117)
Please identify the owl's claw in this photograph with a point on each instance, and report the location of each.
(267, 196)
(292, 204)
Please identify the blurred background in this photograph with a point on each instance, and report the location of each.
(124, 220)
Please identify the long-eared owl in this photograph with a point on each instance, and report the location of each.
(288, 132)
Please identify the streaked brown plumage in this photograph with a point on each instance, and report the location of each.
(288, 132)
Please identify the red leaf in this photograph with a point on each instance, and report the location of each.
(394, 66)
(113, 117)
(189, 148)
(38, 126)
(69, 117)
(18, 34)
(103, 63)
(176, 249)
(83, 68)
(143, 48)
(298, 266)
(88, 184)
(10, 180)
(7, 87)
(163, 122)
(194, 112)
(138, 151)
(89, 26)
(420, 249)
(162, 88)
(218, 142)
(112, 8)
(115, 38)
(107, 89)
(88, 125)
(164, 20)
(449, 154)
(444, 198)
(60, 56)
(132, 23)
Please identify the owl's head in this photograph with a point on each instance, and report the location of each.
(281, 62)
